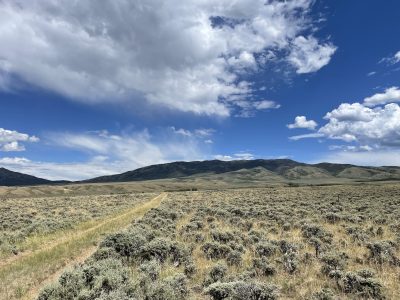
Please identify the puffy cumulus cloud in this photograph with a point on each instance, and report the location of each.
(351, 112)
(302, 122)
(391, 94)
(363, 125)
(184, 55)
(308, 56)
(380, 125)
(366, 125)
(12, 146)
(110, 154)
(10, 140)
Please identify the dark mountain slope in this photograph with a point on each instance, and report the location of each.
(183, 169)
(286, 168)
(10, 178)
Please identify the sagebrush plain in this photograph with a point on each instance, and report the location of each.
(306, 242)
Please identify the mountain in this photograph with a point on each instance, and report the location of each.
(10, 178)
(270, 170)
(229, 173)
(183, 169)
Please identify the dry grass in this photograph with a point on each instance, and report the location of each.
(28, 223)
(298, 240)
(21, 276)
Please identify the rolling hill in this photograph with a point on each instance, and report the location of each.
(259, 169)
(11, 178)
(238, 172)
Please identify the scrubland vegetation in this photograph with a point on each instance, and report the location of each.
(65, 231)
(331, 242)
(26, 221)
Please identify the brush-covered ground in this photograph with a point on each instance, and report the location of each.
(327, 242)
(40, 237)
(26, 223)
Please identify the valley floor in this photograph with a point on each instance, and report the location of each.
(43, 259)
(310, 242)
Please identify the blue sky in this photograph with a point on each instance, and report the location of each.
(89, 89)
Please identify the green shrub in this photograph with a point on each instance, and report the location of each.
(332, 262)
(240, 290)
(262, 267)
(126, 244)
(383, 252)
(214, 250)
(324, 294)
(265, 249)
(216, 273)
(151, 269)
(365, 287)
(171, 288)
(234, 258)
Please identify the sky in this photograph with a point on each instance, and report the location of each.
(91, 88)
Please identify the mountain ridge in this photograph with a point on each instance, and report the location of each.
(260, 170)
(11, 178)
(279, 167)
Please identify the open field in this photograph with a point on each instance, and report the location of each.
(26, 223)
(77, 225)
(325, 242)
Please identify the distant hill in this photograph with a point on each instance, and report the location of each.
(260, 169)
(230, 173)
(10, 178)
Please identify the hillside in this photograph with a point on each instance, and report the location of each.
(11, 178)
(238, 172)
(183, 169)
(259, 169)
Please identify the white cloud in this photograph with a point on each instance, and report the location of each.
(391, 94)
(351, 148)
(248, 109)
(383, 157)
(302, 122)
(14, 160)
(182, 131)
(391, 60)
(223, 157)
(204, 132)
(58, 171)
(10, 140)
(201, 133)
(244, 156)
(133, 150)
(265, 104)
(184, 55)
(236, 156)
(368, 128)
(380, 125)
(306, 136)
(12, 146)
(308, 56)
(109, 154)
(397, 57)
(351, 112)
